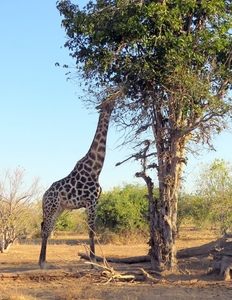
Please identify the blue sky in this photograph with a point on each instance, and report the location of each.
(45, 128)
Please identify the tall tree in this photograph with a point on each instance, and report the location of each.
(171, 62)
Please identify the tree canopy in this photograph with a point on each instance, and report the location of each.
(174, 56)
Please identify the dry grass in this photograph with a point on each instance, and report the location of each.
(108, 237)
(69, 278)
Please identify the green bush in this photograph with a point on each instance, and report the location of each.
(122, 209)
(194, 209)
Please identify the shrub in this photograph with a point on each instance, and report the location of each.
(121, 210)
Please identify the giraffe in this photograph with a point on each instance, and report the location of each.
(80, 188)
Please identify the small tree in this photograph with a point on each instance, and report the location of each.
(15, 203)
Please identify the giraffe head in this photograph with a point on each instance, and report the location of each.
(109, 102)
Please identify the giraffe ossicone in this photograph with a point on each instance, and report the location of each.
(80, 188)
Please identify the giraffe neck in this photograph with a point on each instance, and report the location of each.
(96, 154)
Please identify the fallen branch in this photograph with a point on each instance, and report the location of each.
(205, 249)
(109, 274)
(124, 260)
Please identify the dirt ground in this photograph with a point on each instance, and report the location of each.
(67, 277)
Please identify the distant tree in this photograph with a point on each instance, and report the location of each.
(192, 209)
(214, 189)
(16, 206)
(184, 209)
(74, 221)
(211, 203)
(169, 64)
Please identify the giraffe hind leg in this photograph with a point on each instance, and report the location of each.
(42, 256)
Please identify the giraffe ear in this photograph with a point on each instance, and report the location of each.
(102, 104)
(99, 106)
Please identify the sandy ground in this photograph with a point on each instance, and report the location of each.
(69, 277)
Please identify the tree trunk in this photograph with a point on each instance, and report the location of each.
(162, 238)
(163, 211)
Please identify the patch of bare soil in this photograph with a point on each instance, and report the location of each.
(67, 277)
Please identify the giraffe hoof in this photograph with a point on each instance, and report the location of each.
(43, 265)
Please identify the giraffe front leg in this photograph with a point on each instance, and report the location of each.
(91, 214)
(92, 244)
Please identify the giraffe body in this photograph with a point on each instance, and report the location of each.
(80, 188)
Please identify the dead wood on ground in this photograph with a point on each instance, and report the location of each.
(203, 250)
(220, 250)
